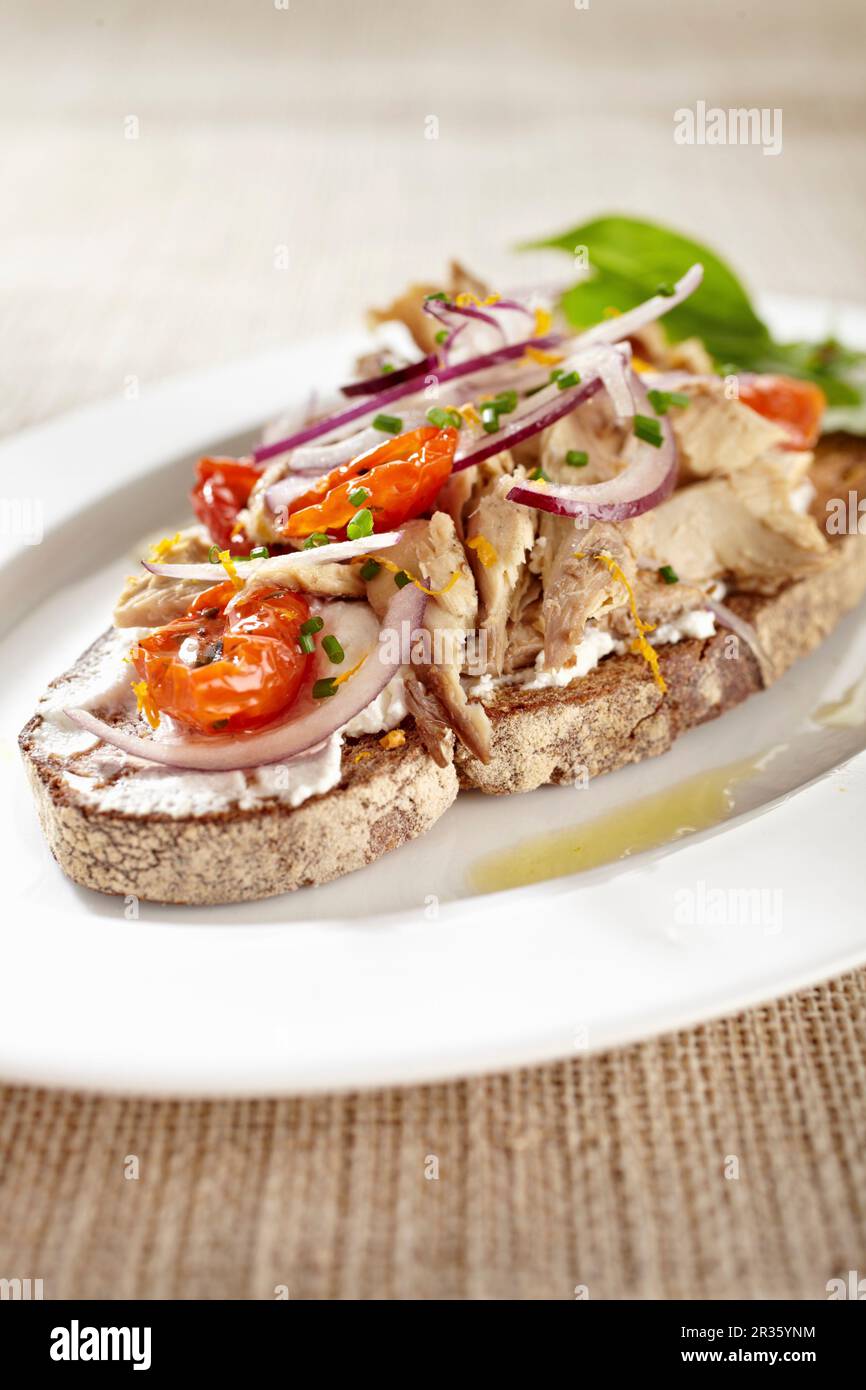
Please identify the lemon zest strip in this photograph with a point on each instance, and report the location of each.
(230, 568)
(484, 550)
(146, 704)
(640, 645)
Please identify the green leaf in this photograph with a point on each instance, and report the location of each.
(628, 260)
(632, 258)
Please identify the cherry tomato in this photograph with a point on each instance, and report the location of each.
(797, 406)
(402, 477)
(222, 489)
(223, 672)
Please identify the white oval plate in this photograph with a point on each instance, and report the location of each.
(395, 974)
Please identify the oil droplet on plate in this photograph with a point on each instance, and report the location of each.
(696, 804)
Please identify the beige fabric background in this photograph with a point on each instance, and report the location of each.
(262, 128)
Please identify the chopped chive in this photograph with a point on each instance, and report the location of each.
(359, 496)
(370, 569)
(554, 376)
(669, 574)
(489, 418)
(361, 525)
(387, 367)
(388, 424)
(577, 458)
(649, 430)
(443, 418)
(312, 625)
(570, 379)
(441, 335)
(401, 579)
(306, 643)
(324, 687)
(261, 552)
(667, 290)
(661, 401)
(440, 294)
(505, 402)
(213, 555)
(315, 539)
(333, 650)
(539, 475)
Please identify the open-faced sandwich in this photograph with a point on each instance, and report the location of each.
(519, 555)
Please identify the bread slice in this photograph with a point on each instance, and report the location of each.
(226, 850)
(230, 852)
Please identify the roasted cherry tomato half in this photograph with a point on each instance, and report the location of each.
(797, 406)
(224, 672)
(222, 489)
(401, 477)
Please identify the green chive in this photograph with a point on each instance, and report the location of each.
(669, 574)
(213, 555)
(333, 650)
(489, 418)
(505, 402)
(312, 625)
(577, 458)
(554, 376)
(306, 643)
(387, 367)
(369, 570)
(440, 294)
(649, 430)
(388, 424)
(316, 538)
(539, 474)
(261, 552)
(441, 335)
(361, 525)
(666, 289)
(443, 418)
(359, 496)
(401, 579)
(661, 401)
(571, 379)
(324, 687)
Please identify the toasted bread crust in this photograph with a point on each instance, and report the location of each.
(384, 799)
(617, 714)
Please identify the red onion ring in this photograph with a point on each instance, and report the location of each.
(526, 426)
(284, 741)
(372, 406)
(613, 330)
(316, 555)
(371, 384)
(744, 630)
(648, 479)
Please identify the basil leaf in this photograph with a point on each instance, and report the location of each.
(629, 259)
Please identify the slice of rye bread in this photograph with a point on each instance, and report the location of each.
(613, 716)
(235, 853)
(617, 715)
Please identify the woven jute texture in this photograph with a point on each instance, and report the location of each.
(726, 1162)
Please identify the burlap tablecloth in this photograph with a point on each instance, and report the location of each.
(296, 137)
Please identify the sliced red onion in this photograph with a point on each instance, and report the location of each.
(614, 372)
(744, 630)
(371, 406)
(525, 426)
(372, 384)
(613, 330)
(649, 478)
(316, 555)
(278, 743)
